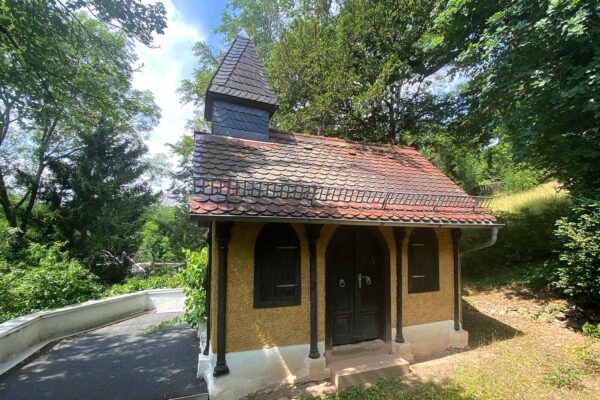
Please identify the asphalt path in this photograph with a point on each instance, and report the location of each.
(116, 362)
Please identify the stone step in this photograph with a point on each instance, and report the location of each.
(356, 349)
(368, 368)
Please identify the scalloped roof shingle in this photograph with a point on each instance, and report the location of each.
(302, 160)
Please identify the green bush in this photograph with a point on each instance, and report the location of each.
(136, 284)
(520, 177)
(577, 270)
(44, 278)
(592, 330)
(194, 277)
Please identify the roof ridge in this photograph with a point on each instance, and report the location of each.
(339, 139)
(237, 61)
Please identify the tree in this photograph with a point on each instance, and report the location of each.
(167, 232)
(360, 69)
(58, 66)
(100, 193)
(536, 72)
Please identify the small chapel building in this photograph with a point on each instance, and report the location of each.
(328, 258)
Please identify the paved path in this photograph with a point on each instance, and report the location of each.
(117, 362)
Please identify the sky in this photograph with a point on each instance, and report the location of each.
(171, 60)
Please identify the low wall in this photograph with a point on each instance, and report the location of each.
(26, 334)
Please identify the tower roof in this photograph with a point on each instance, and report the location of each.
(241, 78)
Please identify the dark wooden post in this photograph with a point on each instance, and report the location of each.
(456, 234)
(223, 233)
(399, 234)
(312, 234)
(207, 288)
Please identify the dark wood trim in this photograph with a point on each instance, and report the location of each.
(456, 234)
(312, 234)
(207, 288)
(223, 233)
(386, 321)
(399, 235)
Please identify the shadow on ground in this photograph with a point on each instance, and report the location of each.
(483, 329)
(114, 362)
(386, 388)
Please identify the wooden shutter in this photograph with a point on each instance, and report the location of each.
(423, 261)
(277, 267)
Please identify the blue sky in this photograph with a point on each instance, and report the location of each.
(163, 67)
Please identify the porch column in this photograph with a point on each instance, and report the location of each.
(312, 234)
(207, 285)
(456, 234)
(222, 235)
(399, 234)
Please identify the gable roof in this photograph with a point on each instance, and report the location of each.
(241, 78)
(311, 178)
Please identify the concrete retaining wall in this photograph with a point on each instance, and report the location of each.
(22, 336)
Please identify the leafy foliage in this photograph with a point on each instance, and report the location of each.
(536, 72)
(194, 278)
(44, 278)
(100, 194)
(166, 233)
(578, 268)
(592, 330)
(136, 284)
(60, 69)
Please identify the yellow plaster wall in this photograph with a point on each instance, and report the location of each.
(421, 308)
(249, 328)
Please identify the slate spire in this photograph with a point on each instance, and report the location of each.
(240, 99)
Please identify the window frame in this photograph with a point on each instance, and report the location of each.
(271, 233)
(428, 238)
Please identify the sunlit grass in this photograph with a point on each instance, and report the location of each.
(535, 199)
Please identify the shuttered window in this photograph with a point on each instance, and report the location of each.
(276, 267)
(423, 262)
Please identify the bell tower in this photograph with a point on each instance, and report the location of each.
(240, 99)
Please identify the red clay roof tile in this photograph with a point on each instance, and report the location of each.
(305, 176)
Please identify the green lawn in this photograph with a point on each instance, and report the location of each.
(516, 351)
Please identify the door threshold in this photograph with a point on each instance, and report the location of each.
(355, 349)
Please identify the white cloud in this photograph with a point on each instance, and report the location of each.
(163, 69)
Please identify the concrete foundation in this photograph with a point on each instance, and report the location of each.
(252, 370)
(426, 340)
(255, 369)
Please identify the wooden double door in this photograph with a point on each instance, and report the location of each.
(356, 285)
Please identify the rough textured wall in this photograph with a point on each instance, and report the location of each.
(249, 328)
(420, 308)
(327, 232)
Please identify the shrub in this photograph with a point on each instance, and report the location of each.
(136, 284)
(44, 278)
(577, 270)
(194, 277)
(592, 330)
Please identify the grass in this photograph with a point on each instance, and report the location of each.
(163, 324)
(536, 199)
(530, 360)
(513, 354)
